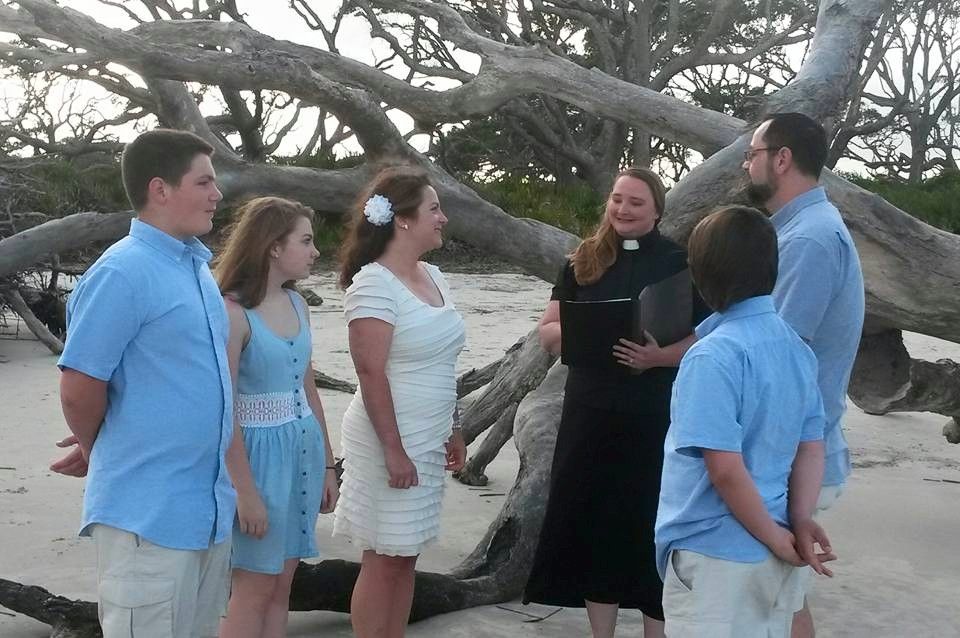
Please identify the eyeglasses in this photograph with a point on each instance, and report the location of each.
(748, 154)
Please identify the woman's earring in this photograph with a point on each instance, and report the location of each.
(404, 226)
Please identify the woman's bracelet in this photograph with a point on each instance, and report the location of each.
(333, 467)
(457, 425)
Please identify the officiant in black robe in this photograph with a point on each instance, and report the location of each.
(596, 548)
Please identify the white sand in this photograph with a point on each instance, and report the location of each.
(895, 529)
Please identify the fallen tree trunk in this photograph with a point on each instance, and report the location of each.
(19, 306)
(19, 252)
(476, 378)
(322, 380)
(67, 618)
(522, 369)
(501, 431)
(886, 379)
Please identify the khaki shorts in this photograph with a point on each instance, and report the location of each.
(828, 496)
(148, 591)
(706, 597)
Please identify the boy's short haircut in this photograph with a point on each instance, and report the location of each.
(163, 153)
(733, 256)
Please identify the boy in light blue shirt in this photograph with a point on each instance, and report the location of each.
(145, 389)
(746, 430)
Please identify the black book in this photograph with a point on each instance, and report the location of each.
(590, 329)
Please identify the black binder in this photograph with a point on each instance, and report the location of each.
(590, 329)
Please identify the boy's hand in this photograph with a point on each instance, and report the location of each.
(74, 462)
(808, 534)
(784, 547)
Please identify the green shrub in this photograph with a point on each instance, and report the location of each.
(935, 201)
(575, 209)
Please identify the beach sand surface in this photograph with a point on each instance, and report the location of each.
(896, 528)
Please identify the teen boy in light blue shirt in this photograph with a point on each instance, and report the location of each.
(746, 425)
(146, 391)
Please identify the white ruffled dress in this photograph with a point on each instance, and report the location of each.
(421, 370)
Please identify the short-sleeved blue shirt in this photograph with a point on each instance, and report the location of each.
(148, 319)
(748, 385)
(819, 292)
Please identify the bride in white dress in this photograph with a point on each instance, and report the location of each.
(398, 436)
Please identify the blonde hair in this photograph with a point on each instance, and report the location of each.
(242, 266)
(596, 253)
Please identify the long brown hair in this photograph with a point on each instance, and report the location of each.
(364, 242)
(596, 253)
(242, 266)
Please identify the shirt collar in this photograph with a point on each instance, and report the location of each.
(644, 242)
(168, 244)
(746, 308)
(790, 209)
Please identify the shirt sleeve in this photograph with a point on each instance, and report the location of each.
(370, 296)
(563, 286)
(102, 319)
(804, 285)
(814, 422)
(705, 406)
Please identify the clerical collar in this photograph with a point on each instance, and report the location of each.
(641, 243)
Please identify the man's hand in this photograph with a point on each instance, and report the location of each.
(73, 463)
(807, 535)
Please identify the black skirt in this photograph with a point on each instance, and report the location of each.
(597, 538)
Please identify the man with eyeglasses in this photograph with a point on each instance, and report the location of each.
(819, 290)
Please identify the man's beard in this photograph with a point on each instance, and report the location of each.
(759, 194)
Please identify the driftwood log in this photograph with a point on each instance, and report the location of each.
(497, 436)
(67, 618)
(15, 300)
(522, 369)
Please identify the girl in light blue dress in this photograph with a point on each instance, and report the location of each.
(280, 458)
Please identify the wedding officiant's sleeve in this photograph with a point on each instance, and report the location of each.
(700, 308)
(565, 284)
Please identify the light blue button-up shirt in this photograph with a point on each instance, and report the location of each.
(819, 292)
(748, 385)
(148, 318)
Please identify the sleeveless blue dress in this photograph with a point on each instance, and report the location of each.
(284, 444)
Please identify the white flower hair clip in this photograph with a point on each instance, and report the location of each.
(377, 210)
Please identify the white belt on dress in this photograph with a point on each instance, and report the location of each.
(267, 410)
